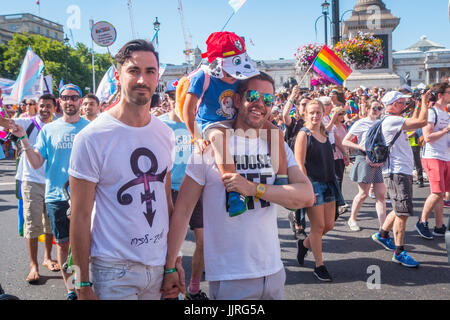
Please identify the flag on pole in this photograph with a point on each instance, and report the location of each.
(331, 67)
(30, 71)
(61, 84)
(107, 86)
(236, 4)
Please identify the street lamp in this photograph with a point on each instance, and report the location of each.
(66, 41)
(325, 11)
(156, 27)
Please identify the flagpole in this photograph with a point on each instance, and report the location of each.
(306, 73)
(228, 20)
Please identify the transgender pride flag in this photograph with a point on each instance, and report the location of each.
(30, 72)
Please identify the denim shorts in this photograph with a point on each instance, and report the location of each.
(60, 224)
(324, 192)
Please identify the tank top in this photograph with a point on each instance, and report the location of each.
(319, 162)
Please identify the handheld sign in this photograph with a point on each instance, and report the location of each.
(103, 33)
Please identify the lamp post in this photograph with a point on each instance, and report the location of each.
(156, 27)
(325, 10)
(66, 41)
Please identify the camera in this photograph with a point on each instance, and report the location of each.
(417, 95)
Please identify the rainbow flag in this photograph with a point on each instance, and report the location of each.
(330, 66)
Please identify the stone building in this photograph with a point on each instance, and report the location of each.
(424, 62)
(29, 23)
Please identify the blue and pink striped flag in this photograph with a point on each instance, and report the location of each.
(30, 72)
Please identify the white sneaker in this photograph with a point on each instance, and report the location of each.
(372, 195)
(353, 225)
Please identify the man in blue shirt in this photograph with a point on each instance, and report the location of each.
(183, 150)
(54, 145)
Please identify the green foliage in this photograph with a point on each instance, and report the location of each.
(54, 53)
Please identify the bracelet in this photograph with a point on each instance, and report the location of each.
(170, 271)
(83, 284)
(23, 137)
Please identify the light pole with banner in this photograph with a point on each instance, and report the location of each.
(156, 27)
(91, 25)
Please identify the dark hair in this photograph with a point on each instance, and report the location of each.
(92, 96)
(48, 96)
(243, 85)
(135, 45)
(155, 100)
(440, 87)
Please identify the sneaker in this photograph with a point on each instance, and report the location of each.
(353, 225)
(236, 204)
(420, 184)
(71, 296)
(342, 210)
(322, 274)
(446, 203)
(302, 251)
(387, 243)
(422, 229)
(372, 195)
(440, 232)
(197, 296)
(405, 260)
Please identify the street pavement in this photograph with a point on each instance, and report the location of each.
(361, 268)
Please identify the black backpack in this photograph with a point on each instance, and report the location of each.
(376, 149)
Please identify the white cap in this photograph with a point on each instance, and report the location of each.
(392, 96)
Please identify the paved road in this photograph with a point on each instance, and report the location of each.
(348, 256)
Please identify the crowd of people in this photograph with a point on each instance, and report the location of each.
(142, 167)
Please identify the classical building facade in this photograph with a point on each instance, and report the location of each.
(424, 62)
(31, 24)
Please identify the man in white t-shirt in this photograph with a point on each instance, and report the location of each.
(436, 162)
(242, 253)
(120, 180)
(32, 184)
(398, 172)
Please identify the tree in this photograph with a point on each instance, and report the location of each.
(53, 53)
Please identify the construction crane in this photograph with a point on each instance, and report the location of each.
(187, 36)
(130, 10)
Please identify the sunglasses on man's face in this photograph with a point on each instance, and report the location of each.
(254, 95)
(74, 98)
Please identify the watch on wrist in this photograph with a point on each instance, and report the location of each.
(260, 189)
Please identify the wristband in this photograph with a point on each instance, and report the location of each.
(23, 137)
(83, 284)
(170, 271)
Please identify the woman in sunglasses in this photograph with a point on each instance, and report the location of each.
(314, 154)
(362, 172)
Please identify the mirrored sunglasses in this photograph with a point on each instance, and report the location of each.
(254, 95)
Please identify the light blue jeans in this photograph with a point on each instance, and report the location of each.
(126, 280)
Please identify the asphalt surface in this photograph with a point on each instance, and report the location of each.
(361, 268)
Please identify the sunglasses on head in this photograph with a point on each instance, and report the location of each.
(254, 95)
(73, 98)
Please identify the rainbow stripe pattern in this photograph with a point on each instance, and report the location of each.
(331, 67)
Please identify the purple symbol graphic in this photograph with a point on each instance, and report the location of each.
(142, 178)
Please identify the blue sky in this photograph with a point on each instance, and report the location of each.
(275, 27)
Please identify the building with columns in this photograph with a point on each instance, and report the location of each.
(423, 62)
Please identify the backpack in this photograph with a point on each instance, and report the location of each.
(376, 149)
(292, 132)
(183, 87)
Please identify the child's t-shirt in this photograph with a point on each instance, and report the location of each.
(217, 103)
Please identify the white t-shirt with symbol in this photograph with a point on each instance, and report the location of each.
(129, 165)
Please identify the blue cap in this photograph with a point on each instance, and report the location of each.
(70, 86)
(172, 86)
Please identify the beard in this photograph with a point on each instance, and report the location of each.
(71, 110)
(139, 98)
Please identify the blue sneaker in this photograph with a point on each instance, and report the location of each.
(236, 204)
(405, 260)
(387, 243)
(71, 296)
